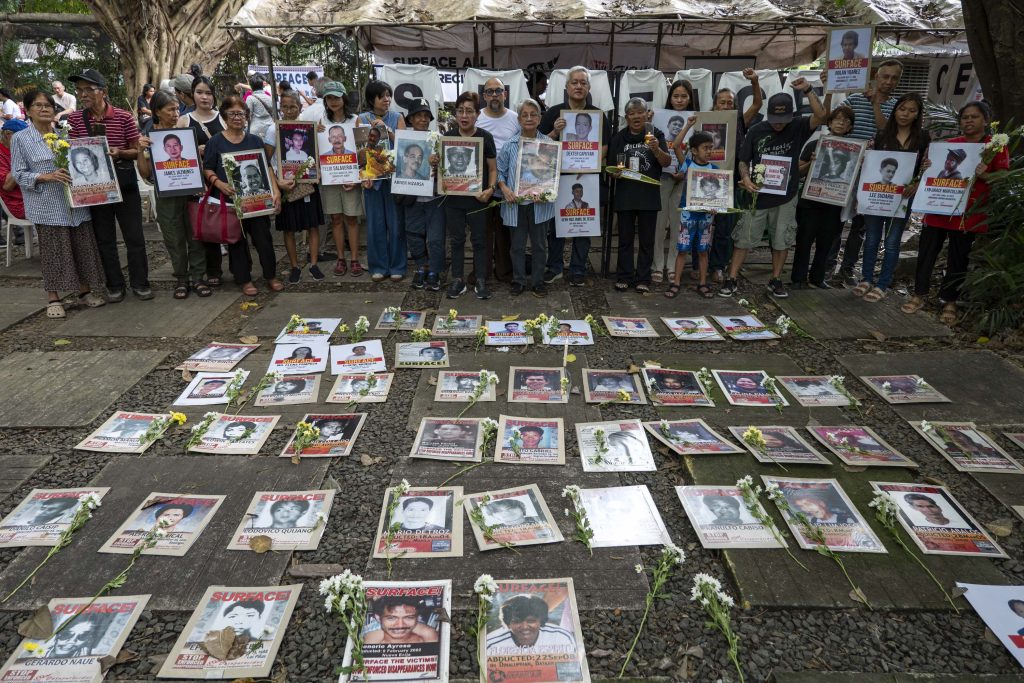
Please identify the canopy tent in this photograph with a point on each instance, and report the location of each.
(615, 34)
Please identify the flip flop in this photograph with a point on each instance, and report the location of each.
(705, 291)
(672, 292)
(874, 295)
(915, 304)
(862, 289)
(948, 315)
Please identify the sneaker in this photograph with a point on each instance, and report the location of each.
(115, 296)
(378, 277)
(820, 285)
(294, 276)
(144, 293)
(728, 287)
(517, 289)
(777, 289)
(550, 276)
(315, 271)
(540, 291)
(481, 291)
(457, 288)
(576, 280)
(848, 278)
(417, 279)
(434, 283)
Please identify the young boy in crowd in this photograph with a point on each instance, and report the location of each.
(695, 227)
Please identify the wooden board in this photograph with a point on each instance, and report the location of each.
(67, 388)
(176, 583)
(838, 314)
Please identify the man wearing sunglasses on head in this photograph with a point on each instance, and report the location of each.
(502, 123)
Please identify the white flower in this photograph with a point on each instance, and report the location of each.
(486, 587)
(210, 416)
(926, 426)
(571, 491)
(488, 424)
(328, 603)
(502, 349)
(672, 551)
(886, 386)
(402, 487)
(89, 500)
(638, 568)
(160, 532)
(920, 382)
(837, 380)
(566, 512)
(745, 482)
(743, 302)
(999, 140)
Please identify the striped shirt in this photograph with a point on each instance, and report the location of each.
(864, 127)
(122, 131)
(46, 203)
(508, 164)
(550, 640)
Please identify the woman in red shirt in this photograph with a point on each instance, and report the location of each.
(961, 230)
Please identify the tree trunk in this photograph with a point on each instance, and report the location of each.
(995, 33)
(159, 39)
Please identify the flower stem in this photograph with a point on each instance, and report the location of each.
(462, 471)
(842, 566)
(636, 639)
(917, 559)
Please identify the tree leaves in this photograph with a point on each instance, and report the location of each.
(123, 657)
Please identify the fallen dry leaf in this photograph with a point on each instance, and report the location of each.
(248, 305)
(652, 364)
(506, 318)
(122, 657)
(186, 375)
(442, 615)
(39, 626)
(1002, 527)
(224, 644)
(61, 342)
(957, 591)
(331, 483)
(934, 482)
(991, 637)
(633, 369)
(857, 595)
(878, 335)
(854, 468)
(250, 339)
(432, 380)
(367, 460)
(600, 654)
(261, 544)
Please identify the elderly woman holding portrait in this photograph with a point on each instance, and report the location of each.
(69, 257)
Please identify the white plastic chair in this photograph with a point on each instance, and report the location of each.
(148, 194)
(27, 228)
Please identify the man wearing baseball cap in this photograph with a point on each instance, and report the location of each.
(951, 169)
(780, 135)
(9, 190)
(99, 118)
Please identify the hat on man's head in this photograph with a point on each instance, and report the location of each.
(418, 105)
(957, 154)
(14, 125)
(780, 108)
(333, 88)
(89, 76)
(183, 82)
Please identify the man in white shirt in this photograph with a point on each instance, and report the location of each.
(65, 99)
(9, 109)
(502, 123)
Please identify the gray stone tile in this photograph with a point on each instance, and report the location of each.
(19, 303)
(67, 388)
(163, 316)
(838, 314)
(15, 469)
(269, 320)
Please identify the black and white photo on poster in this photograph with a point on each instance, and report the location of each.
(290, 390)
(293, 520)
(208, 388)
(721, 519)
(43, 516)
(623, 516)
(614, 446)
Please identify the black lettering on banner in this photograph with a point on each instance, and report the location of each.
(963, 75)
(405, 93)
(940, 77)
(646, 95)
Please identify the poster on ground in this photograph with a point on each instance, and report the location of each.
(1002, 610)
(337, 435)
(675, 387)
(218, 357)
(449, 438)
(181, 517)
(600, 386)
(748, 388)
(258, 617)
(623, 516)
(300, 359)
(365, 356)
(967, 448)
(812, 391)
(530, 441)
(690, 437)
(859, 446)
(551, 652)
(459, 386)
(43, 516)
(826, 507)
(291, 390)
(293, 520)
(309, 330)
(121, 433)
(208, 388)
(618, 326)
(237, 434)
(904, 389)
(781, 445)
(366, 387)
(99, 630)
(511, 517)
(423, 522)
(614, 446)
(722, 520)
(937, 522)
(406, 635)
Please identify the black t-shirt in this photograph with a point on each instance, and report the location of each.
(632, 195)
(219, 144)
(490, 152)
(762, 139)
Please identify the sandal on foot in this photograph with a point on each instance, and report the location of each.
(948, 315)
(874, 295)
(915, 304)
(356, 269)
(862, 289)
(213, 281)
(249, 289)
(202, 289)
(621, 286)
(55, 309)
(643, 288)
(276, 285)
(92, 300)
(672, 292)
(181, 290)
(340, 267)
(705, 291)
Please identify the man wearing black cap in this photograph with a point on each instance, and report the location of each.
(780, 134)
(96, 118)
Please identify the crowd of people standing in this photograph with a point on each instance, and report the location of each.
(79, 246)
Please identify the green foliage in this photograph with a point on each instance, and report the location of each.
(994, 287)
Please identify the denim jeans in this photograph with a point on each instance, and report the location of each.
(578, 259)
(538, 234)
(385, 238)
(874, 228)
(424, 231)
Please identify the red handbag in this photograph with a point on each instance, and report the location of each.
(213, 222)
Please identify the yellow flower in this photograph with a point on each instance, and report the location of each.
(50, 137)
(34, 649)
(178, 418)
(64, 144)
(624, 396)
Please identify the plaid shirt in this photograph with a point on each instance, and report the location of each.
(508, 165)
(121, 129)
(46, 203)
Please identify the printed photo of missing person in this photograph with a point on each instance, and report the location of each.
(511, 512)
(441, 433)
(420, 513)
(536, 385)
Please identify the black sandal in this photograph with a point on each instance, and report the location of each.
(621, 286)
(202, 289)
(705, 291)
(213, 282)
(673, 291)
(181, 291)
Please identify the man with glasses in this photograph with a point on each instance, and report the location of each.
(502, 123)
(577, 89)
(98, 118)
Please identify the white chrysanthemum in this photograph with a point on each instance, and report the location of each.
(638, 568)
(485, 586)
(159, 533)
(672, 551)
(926, 426)
(746, 481)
